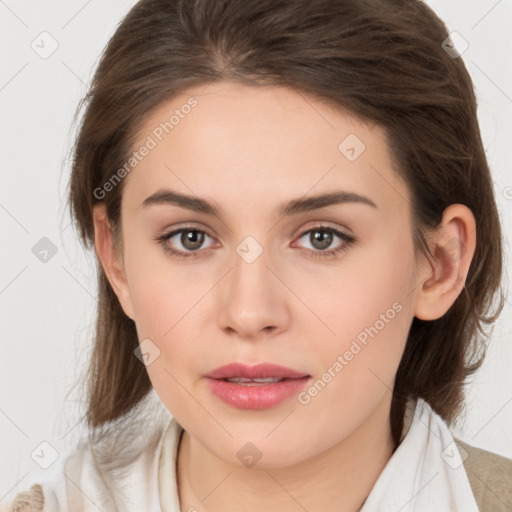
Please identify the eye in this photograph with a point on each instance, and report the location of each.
(321, 238)
(191, 239)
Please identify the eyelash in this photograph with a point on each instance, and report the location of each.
(347, 239)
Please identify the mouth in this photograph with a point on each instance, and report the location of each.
(255, 387)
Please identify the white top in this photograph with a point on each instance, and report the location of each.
(125, 468)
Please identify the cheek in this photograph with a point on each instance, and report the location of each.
(170, 303)
(371, 317)
(368, 309)
(161, 291)
(165, 303)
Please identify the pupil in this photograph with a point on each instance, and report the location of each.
(192, 239)
(324, 238)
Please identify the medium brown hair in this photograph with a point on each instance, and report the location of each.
(381, 60)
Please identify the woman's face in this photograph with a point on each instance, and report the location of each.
(267, 278)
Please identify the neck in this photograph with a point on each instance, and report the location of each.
(339, 478)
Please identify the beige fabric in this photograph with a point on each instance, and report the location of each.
(490, 477)
(29, 501)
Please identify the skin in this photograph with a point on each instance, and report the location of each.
(249, 150)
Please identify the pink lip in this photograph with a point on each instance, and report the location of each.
(259, 396)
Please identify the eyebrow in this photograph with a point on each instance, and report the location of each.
(293, 207)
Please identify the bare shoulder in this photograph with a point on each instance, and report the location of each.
(490, 477)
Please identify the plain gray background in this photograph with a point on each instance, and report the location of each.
(48, 306)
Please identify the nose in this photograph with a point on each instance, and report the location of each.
(254, 300)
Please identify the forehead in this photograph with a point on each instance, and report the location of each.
(267, 143)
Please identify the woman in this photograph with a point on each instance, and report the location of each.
(298, 246)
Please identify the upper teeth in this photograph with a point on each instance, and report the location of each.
(246, 379)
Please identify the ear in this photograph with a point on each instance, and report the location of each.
(111, 261)
(452, 245)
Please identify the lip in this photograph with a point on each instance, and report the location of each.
(255, 396)
(258, 371)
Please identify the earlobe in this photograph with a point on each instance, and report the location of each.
(452, 247)
(109, 259)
